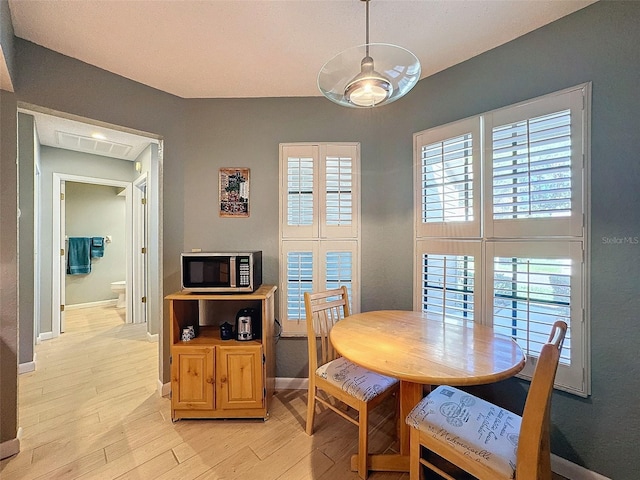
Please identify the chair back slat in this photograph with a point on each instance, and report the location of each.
(533, 460)
(558, 332)
(323, 311)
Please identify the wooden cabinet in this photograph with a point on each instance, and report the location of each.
(215, 378)
(192, 373)
(240, 377)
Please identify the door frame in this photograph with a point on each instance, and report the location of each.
(140, 240)
(155, 304)
(58, 243)
(37, 262)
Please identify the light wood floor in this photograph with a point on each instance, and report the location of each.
(91, 410)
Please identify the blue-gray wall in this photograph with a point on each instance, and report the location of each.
(26, 175)
(8, 269)
(8, 241)
(6, 37)
(597, 44)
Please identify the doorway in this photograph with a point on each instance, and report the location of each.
(61, 235)
(67, 133)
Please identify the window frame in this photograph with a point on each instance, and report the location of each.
(573, 100)
(503, 234)
(320, 237)
(568, 379)
(435, 135)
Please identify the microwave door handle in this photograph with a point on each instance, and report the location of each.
(232, 266)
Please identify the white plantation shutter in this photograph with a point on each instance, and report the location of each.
(340, 261)
(319, 226)
(322, 191)
(339, 266)
(447, 175)
(534, 163)
(529, 241)
(338, 184)
(532, 168)
(299, 280)
(448, 285)
(532, 285)
(300, 191)
(299, 184)
(529, 295)
(446, 274)
(299, 273)
(448, 179)
(310, 266)
(338, 195)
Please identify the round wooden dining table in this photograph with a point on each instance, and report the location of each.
(423, 349)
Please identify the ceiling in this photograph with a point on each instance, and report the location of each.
(267, 48)
(252, 48)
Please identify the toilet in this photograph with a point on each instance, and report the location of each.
(120, 288)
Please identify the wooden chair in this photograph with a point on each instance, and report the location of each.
(343, 380)
(487, 441)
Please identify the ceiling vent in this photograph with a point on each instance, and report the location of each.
(93, 145)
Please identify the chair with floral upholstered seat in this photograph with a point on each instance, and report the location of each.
(483, 439)
(336, 376)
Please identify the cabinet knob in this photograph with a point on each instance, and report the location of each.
(209, 379)
(223, 379)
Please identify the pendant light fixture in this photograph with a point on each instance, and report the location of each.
(369, 75)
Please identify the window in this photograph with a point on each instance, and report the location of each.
(533, 167)
(319, 226)
(535, 283)
(500, 215)
(449, 180)
(447, 278)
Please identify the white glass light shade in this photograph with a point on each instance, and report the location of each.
(352, 79)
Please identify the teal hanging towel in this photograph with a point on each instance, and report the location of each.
(78, 260)
(97, 247)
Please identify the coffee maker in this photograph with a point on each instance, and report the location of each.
(246, 323)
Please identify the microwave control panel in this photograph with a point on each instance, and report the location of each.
(244, 271)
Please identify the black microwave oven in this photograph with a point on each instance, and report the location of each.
(224, 272)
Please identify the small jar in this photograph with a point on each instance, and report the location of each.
(186, 335)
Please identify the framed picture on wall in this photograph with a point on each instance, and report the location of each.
(234, 192)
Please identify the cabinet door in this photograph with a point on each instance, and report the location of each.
(192, 378)
(240, 377)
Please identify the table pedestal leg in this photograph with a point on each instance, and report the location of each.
(410, 396)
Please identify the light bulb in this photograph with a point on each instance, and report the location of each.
(368, 88)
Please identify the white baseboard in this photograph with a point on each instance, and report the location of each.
(11, 447)
(284, 383)
(100, 303)
(45, 336)
(164, 389)
(152, 337)
(26, 367)
(573, 471)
